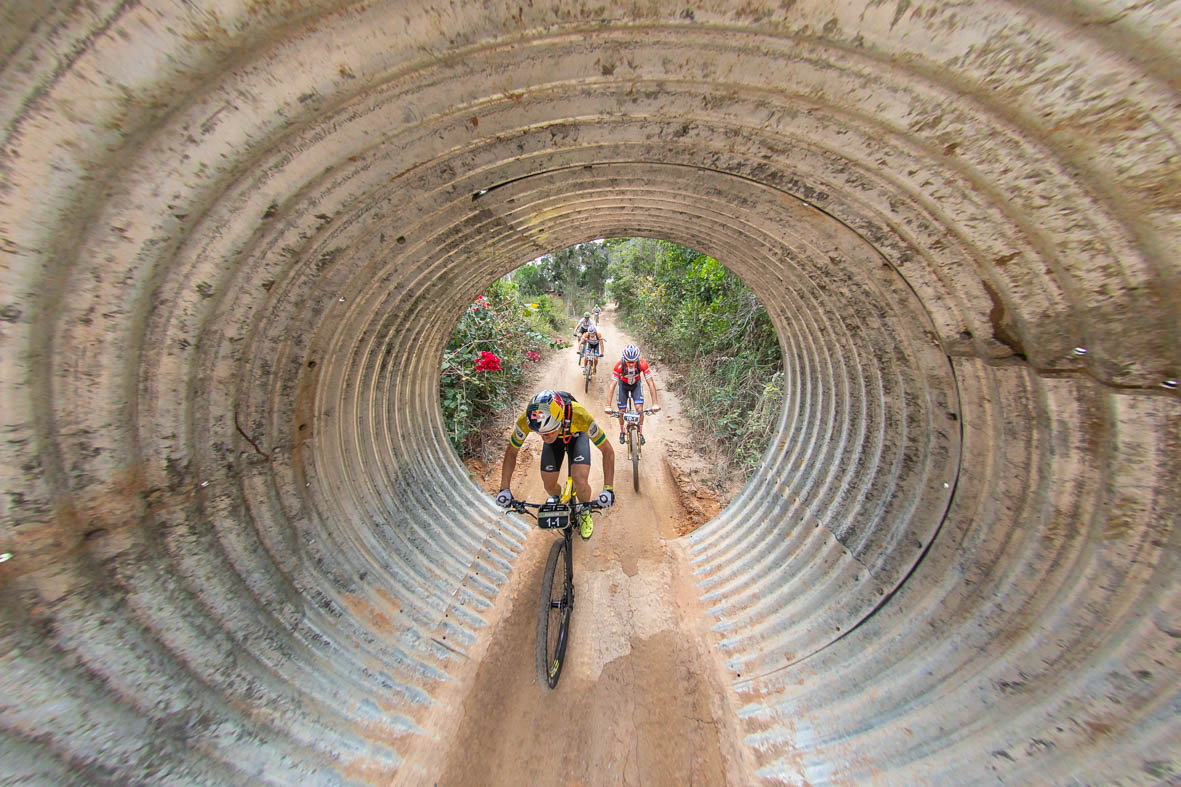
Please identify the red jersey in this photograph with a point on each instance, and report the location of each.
(630, 372)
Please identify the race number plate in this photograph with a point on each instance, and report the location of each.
(631, 418)
(553, 515)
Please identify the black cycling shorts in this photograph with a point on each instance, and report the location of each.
(636, 390)
(578, 449)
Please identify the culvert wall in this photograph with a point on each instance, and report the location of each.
(235, 240)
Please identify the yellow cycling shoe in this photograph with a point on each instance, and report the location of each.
(586, 525)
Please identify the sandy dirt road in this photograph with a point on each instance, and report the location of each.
(642, 698)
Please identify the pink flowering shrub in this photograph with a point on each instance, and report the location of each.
(487, 362)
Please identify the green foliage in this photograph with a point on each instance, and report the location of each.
(514, 331)
(577, 274)
(550, 312)
(533, 280)
(685, 307)
(706, 323)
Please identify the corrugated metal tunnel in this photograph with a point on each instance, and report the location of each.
(236, 239)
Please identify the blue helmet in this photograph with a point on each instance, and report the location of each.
(631, 353)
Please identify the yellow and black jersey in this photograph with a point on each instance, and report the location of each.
(580, 421)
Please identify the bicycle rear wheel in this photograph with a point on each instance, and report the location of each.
(553, 618)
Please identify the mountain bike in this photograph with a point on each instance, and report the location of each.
(631, 422)
(557, 583)
(590, 366)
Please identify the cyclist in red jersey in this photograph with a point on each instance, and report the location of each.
(625, 378)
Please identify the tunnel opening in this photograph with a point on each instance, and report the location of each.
(684, 311)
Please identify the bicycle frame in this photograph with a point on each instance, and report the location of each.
(631, 423)
(590, 363)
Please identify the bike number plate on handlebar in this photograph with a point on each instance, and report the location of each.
(553, 515)
(631, 418)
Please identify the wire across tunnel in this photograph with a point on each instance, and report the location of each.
(235, 244)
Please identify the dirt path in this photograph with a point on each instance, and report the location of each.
(642, 698)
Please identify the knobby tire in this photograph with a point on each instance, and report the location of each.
(633, 448)
(552, 623)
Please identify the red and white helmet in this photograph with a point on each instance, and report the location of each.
(631, 353)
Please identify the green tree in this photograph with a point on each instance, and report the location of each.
(700, 318)
(532, 280)
(577, 273)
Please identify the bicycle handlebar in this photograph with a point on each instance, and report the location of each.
(520, 506)
(646, 411)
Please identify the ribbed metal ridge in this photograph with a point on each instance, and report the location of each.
(235, 242)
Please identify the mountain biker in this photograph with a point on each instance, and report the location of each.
(596, 311)
(626, 378)
(578, 331)
(582, 324)
(567, 430)
(593, 341)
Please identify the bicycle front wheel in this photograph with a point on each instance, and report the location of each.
(553, 617)
(633, 448)
(586, 385)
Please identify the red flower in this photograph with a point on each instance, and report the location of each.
(532, 356)
(487, 362)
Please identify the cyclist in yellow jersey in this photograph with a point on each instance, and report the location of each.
(567, 430)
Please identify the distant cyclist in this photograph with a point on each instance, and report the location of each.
(594, 344)
(583, 324)
(596, 312)
(579, 330)
(567, 429)
(625, 378)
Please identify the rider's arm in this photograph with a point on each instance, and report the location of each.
(508, 465)
(515, 441)
(611, 394)
(608, 463)
(652, 388)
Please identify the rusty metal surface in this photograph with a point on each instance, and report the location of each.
(233, 242)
